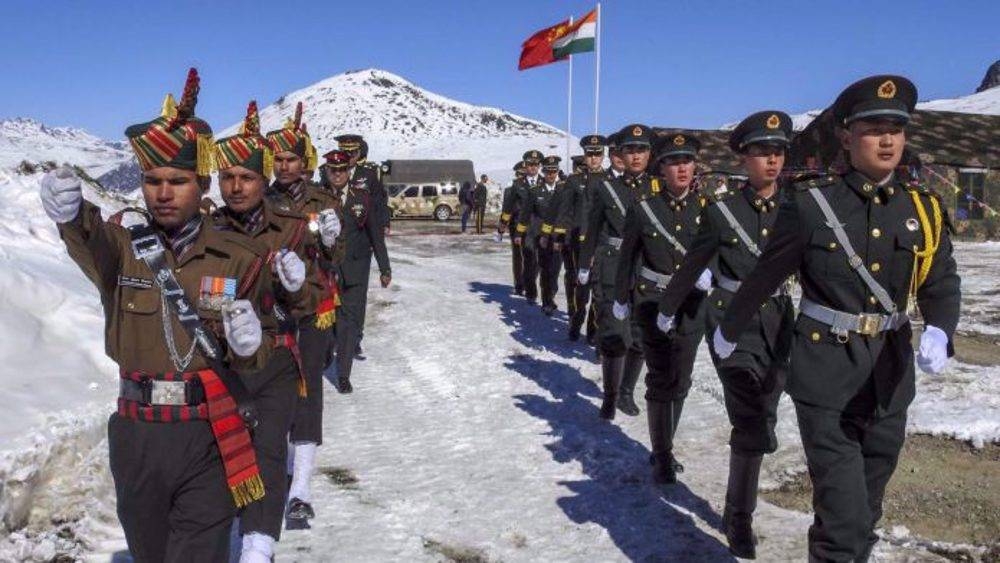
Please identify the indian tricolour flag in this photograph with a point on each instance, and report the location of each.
(579, 38)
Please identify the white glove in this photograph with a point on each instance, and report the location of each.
(583, 276)
(704, 282)
(723, 348)
(932, 357)
(291, 270)
(242, 327)
(497, 236)
(329, 226)
(620, 310)
(61, 195)
(664, 323)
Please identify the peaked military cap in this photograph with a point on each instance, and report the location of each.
(519, 169)
(883, 96)
(551, 162)
(532, 157)
(577, 159)
(594, 143)
(176, 138)
(348, 142)
(765, 127)
(248, 148)
(677, 144)
(294, 138)
(337, 160)
(613, 144)
(635, 134)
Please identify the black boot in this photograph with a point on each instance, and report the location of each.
(630, 375)
(574, 332)
(344, 385)
(741, 501)
(661, 437)
(611, 375)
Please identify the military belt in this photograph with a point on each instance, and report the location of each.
(661, 280)
(150, 392)
(842, 324)
(732, 286)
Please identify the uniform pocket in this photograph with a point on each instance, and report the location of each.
(140, 320)
(826, 255)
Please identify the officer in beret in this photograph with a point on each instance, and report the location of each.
(659, 230)
(572, 214)
(610, 200)
(736, 226)
(519, 196)
(540, 244)
(509, 208)
(866, 246)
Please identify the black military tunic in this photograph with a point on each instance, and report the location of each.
(539, 208)
(509, 208)
(851, 391)
(659, 229)
(572, 219)
(519, 196)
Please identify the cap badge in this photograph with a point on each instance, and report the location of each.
(774, 121)
(637, 131)
(887, 90)
(679, 140)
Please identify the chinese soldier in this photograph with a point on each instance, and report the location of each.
(509, 208)
(362, 237)
(610, 199)
(519, 198)
(244, 162)
(866, 246)
(290, 194)
(735, 227)
(535, 230)
(659, 230)
(181, 302)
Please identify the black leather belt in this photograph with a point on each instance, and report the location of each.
(156, 392)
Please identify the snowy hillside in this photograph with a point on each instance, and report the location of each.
(26, 140)
(401, 120)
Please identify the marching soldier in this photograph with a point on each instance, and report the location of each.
(181, 302)
(659, 230)
(537, 238)
(610, 200)
(866, 245)
(244, 162)
(735, 227)
(572, 216)
(366, 175)
(511, 207)
(289, 193)
(362, 236)
(519, 199)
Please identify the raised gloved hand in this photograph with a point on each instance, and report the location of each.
(583, 276)
(291, 270)
(329, 226)
(932, 357)
(704, 282)
(61, 194)
(664, 323)
(723, 348)
(620, 310)
(242, 328)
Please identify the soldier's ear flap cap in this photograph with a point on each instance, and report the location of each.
(882, 96)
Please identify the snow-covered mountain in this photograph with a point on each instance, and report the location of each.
(28, 141)
(401, 120)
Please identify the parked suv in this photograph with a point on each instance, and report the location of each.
(439, 201)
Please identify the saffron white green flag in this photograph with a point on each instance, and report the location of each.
(579, 38)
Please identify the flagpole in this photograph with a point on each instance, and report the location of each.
(597, 71)
(569, 110)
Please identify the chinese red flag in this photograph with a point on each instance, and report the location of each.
(537, 50)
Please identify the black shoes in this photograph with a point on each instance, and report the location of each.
(300, 510)
(344, 385)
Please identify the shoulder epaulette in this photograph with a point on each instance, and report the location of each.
(654, 184)
(702, 201)
(818, 181)
(922, 189)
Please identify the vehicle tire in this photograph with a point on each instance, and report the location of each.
(442, 213)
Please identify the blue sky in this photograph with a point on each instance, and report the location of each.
(102, 65)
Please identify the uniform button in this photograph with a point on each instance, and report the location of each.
(130, 306)
(654, 235)
(763, 232)
(867, 187)
(889, 190)
(815, 336)
(872, 300)
(877, 200)
(734, 241)
(718, 303)
(876, 233)
(833, 245)
(677, 228)
(876, 267)
(677, 267)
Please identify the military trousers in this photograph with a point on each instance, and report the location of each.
(851, 454)
(669, 357)
(172, 499)
(529, 265)
(314, 343)
(568, 260)
(549, 261)
(350, 325)
(480, 219)
(613, 336)
(580, 297)
(275, 394)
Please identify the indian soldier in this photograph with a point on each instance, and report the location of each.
(519, 198)
(866, 246)
(610, 200)
(479, 196)
(659, 230)
(735, 226)
(289, 193)
(244, 162)
(509, 208)
(362, 237)
(180, 302)
(536, 234)
(367, 175)
(572, 216)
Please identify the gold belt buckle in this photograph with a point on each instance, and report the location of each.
(869, 324)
